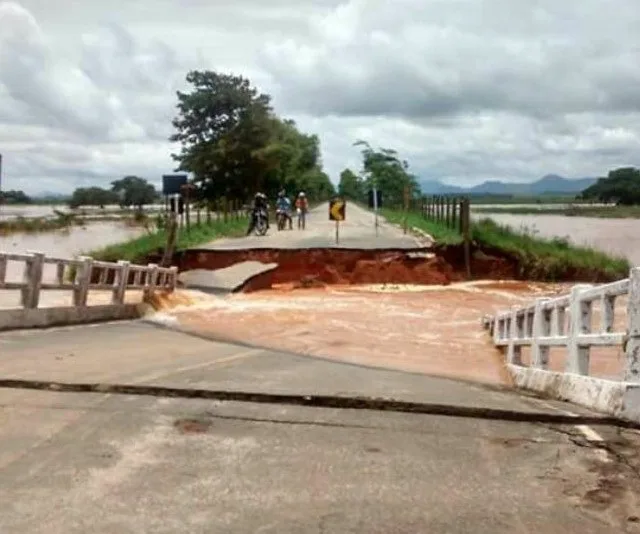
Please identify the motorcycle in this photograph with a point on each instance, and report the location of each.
(281, 218)
(262, 222)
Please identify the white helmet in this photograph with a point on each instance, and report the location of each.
(301, 194)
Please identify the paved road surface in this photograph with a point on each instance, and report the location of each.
(79, 462)
(358, 231)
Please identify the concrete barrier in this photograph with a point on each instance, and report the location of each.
(80, 277)
(566, 322)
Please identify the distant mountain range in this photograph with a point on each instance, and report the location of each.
(547, 185)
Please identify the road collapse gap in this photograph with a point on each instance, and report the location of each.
(317, 267)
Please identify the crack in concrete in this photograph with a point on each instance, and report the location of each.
(319, 401)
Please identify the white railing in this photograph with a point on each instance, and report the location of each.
(567, 322)
(87, 274)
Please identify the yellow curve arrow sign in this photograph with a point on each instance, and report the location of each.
(336, 210)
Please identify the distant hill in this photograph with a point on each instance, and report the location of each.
(551, 184)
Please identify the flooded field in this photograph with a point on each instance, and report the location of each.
(620, 237)
(48, 211)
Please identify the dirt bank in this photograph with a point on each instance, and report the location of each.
(330, 266)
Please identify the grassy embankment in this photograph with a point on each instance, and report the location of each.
(537, 258)
(611, 212)
(136, 250)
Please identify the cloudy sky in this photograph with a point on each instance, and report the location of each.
(465, 90)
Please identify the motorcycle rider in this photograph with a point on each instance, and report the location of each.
(259, 203)
(284, 204)
(302, 206)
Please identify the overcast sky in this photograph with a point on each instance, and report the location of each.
(465, 90)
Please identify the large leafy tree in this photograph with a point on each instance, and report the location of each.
(234, 144)
(134, 191)
(390, 174)
(621, 186)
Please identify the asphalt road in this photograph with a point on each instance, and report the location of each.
(109, 462)
(357, 231)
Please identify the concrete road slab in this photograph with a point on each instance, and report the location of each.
(73, 463)
(222, 281)
(357, 231)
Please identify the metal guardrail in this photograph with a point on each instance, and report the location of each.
(89, 275)
(566, 321)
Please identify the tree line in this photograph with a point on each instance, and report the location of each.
(621, 186)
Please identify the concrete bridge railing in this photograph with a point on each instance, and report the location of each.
(80, 276)
(567, 322)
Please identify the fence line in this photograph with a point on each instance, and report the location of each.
(89, 275)
(566, 321)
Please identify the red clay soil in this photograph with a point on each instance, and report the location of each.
(331, 266)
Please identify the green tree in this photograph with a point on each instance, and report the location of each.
(621, 186)
(222, 125)
(389, 174)
(351, 185)
(235, 145)
(92, 196)
(134, 191)
(14, 197)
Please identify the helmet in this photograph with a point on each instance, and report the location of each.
(301, 194)
(281, 193)
(258, 195)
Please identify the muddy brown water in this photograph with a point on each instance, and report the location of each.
(620, 237)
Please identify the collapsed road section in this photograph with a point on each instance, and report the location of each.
(314, 267)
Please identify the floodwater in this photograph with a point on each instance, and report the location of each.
(620, 237)
(66, 243)
(8, 212)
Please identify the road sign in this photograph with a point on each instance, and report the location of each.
(337, 209)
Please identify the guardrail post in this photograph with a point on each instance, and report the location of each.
(516, 331)
(174, 279)
(151, 280)
(579, 323)
(632, 350)
(82, 282)
(32, 279)
(541, 328)
(120, 282)
(3, 268)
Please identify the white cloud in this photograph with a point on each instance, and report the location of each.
(465, 90)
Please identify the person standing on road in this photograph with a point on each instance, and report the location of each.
(302, 206)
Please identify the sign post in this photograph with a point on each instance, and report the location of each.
(406, 207)
(337, 209)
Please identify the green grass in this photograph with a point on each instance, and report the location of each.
(538, 258)
(136, 250)
(440, 232)
(549, 259)
(610, 212)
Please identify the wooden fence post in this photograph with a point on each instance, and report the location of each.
(466, 235)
